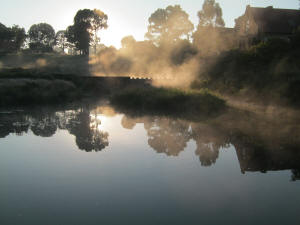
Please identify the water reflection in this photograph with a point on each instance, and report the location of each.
(260, 145)
(85, 127)
(44, 123)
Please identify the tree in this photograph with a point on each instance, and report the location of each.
(41, 37)
(99, 21)
(84, 32)
(18, 37)
(5, 37)
(61, 40)
(11, 39)
(169, 25)
(211, 37)
(85, 128)
(211, 14)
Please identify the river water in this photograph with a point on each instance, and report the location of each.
(89, 165)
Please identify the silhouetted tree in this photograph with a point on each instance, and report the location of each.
(18, 37)
(87, 23)
(41, 37)
(168, 25)
(11, 39)
(5, 37)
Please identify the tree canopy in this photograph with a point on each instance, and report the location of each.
(211, 14)
(11, 38)
(168, 25)
(41, 37)
(211, 37)
(84, 31)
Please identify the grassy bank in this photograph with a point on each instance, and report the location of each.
(32, 86)
(165, 101)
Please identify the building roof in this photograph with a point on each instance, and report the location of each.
(272, 20)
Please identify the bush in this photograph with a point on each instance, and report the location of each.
(192, 104)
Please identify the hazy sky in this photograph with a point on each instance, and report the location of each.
(126, 17)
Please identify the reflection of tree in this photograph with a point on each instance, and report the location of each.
(170, 136)
(128, 122)
(256, 151)
(167, 136)
(208, 153)
(44, 125)
(209, 142)
(88, 136)
(13, 123)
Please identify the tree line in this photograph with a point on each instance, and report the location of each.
(166, 26)
(43, 38)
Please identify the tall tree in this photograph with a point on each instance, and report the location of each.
(19, 36)
(168, 25)
(211, 14)
(98, 22)
(84, 32)
(41, 37)
(5, 37)
(209, 36)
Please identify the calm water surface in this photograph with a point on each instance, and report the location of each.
(92, 165)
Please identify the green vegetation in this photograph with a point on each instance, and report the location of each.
(35, 86)
(11, 38)
(268, 71)
(190, 104)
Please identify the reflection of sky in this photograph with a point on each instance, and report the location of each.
(128, 181)
(126, 17)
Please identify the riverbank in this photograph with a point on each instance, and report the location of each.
(19, 87)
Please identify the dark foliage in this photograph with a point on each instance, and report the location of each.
(11, 38)
(169, 102)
